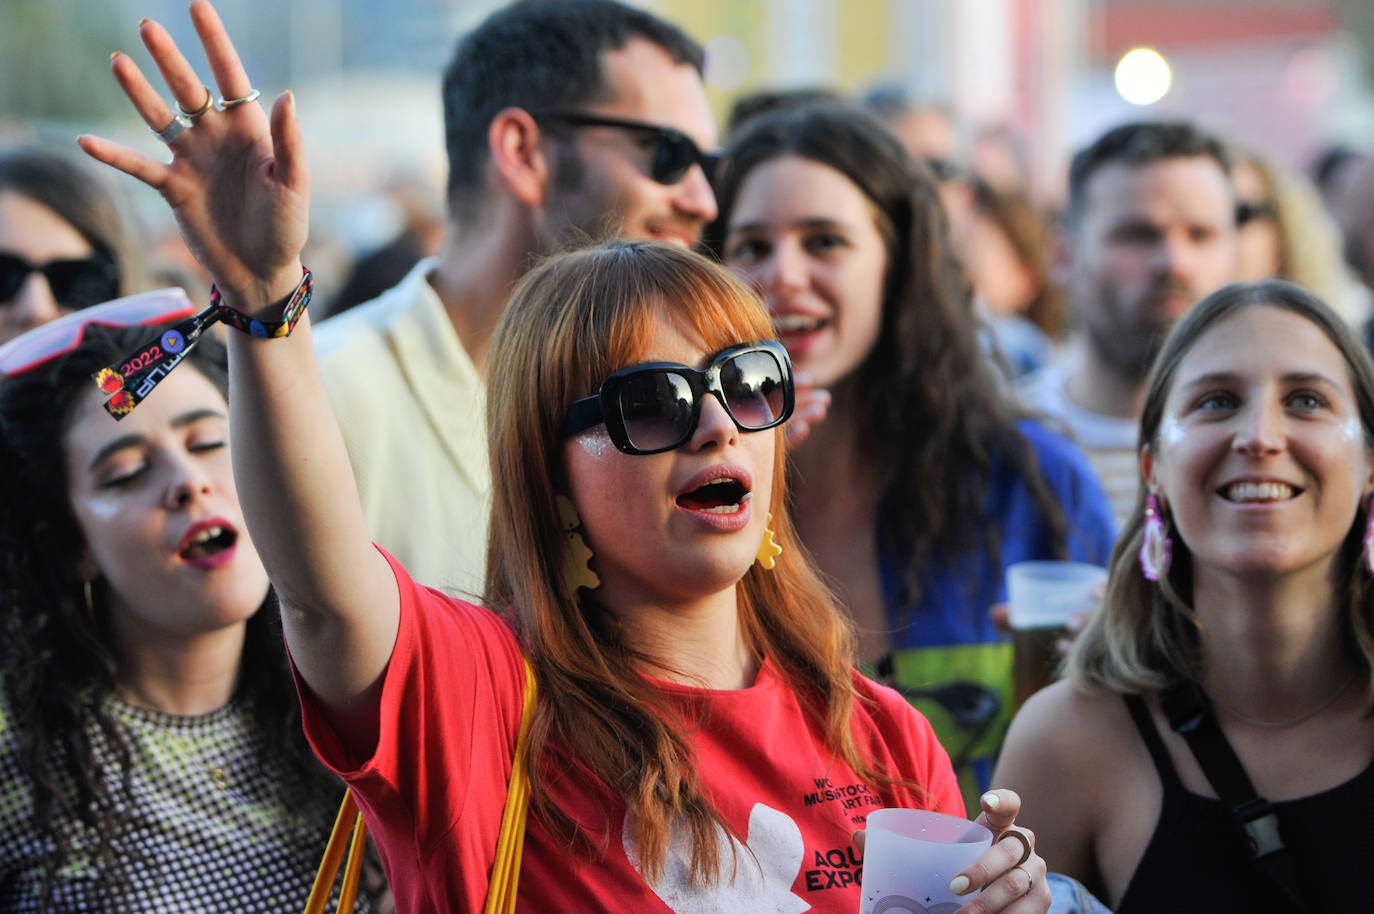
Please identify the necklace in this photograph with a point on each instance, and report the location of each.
(1292, 721)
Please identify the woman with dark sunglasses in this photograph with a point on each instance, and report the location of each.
(699, 740)
(921, 479)
(64, 242)
(150, 748)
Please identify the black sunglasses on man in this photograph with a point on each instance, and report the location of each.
(674, 151)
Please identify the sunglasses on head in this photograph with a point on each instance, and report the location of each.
(674, 151)
(655, 407)
(75, 282)
(56, 338)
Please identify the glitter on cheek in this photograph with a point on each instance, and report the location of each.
(1171, 432)
(595, 442)
(101, 508)
(1352, 429)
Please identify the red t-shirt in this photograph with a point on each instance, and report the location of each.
(433, 788)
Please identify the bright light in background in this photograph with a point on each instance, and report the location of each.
(727, 62)
(1143, 76)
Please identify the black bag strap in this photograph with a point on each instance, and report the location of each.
(1189, 713)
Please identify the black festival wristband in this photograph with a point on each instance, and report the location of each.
(129, 381)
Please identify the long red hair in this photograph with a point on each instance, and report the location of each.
(572, 321)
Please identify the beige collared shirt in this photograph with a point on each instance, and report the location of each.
(411, 406)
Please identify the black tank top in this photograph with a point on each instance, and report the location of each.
(1197, 862)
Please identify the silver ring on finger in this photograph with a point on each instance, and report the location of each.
(197, 114)
(174, 129)
(224, 104)
(1025, 844)
(1030, 880)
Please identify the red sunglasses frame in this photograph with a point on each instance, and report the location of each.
(56, 338)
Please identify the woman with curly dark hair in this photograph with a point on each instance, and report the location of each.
(151, 753)
(920, 480)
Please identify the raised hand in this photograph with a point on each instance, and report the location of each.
(812, 405)
(237, 182)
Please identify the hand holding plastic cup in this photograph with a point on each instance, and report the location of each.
(910, 855)
(1043, 597)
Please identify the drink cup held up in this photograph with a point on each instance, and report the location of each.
(910, 855)
(1043, 596)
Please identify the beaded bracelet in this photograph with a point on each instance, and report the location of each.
(295, 307)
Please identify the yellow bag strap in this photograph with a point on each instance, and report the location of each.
(348, 821)
(510, 843)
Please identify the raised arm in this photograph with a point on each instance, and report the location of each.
(239, 187)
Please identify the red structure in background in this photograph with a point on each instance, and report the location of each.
(1119, 25)
(1265, 72)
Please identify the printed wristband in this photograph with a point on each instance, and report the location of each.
(129, 381)
(295, 307)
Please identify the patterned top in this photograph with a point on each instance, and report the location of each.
(208, 828)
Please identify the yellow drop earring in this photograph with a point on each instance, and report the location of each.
(579, 555)
(769, 550)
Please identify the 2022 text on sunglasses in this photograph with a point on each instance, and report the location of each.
(129, 381)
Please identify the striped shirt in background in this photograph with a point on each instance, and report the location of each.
(1109, 441)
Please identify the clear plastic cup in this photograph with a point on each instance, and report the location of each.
(910, 855)
(1043, 596)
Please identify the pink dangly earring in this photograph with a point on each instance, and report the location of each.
(1369, 539)
(1156, 549)
(579, 554)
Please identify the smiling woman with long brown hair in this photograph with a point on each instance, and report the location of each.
(925, 479)
(1238, 624)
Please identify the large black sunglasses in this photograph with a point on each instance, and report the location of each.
(655, 407)
(75, 282)
(674, 151)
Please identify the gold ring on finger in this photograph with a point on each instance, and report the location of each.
(1025, 844)
(174, 129)
(197, 114)
(224, 104)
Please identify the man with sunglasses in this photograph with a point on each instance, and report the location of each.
(566, 122)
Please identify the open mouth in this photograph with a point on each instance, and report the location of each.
(1258, 492)
(680, 237)
(207, 541)
(719, 496)
(797, 323)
